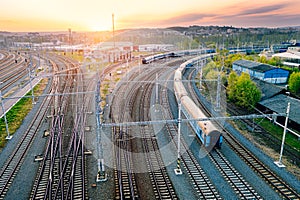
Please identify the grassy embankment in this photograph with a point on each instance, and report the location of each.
(16, 114)
(277, 132)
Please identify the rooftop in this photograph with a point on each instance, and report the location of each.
(288, 55)
(279, 103)
(256, 66)
(268, 90)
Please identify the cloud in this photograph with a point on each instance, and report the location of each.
(272, 20)
(269, 20)
(183, 19)
(187, 18)
(262, 10)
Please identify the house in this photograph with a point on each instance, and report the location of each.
(264, 72)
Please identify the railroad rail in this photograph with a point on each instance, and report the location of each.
(162, 186)
(14, 162)
(125, 182)
(61, 173)
(137, 101)
(12, 71)
(201, 183)
(280, 186)
(233, 177)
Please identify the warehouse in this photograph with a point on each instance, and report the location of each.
(264, 72)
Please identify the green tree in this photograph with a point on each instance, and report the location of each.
(231, 58)
(242, 91)
(275, 61)
(263, 59)
(294, 82)
(232, 79)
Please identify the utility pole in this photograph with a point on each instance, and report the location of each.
(8, 137)
(218, 98)
(279, 162)
(30, 81)
(113, 26)
(200, 78)
(70, 36)
(101, 174)
(156, 89)
(178, 170)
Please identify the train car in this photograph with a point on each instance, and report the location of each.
(156, 57)
(206, 131)
(147, 59)
(179, 90)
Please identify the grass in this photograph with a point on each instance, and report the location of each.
(277, 132)
(16, 114)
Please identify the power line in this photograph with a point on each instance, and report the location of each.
(171, 121)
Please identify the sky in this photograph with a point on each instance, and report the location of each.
(96, 15)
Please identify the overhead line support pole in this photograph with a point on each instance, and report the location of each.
(178, 170)
(101, 174)
(8, 137)
(279, 162)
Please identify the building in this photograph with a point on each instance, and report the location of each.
(269, 90)
(278, 104)
(291, 57)
(264, 72)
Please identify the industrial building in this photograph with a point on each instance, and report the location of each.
(264, 72)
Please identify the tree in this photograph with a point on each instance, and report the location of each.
(242, 91)
(275, 61)
(263, 59)
(232, 79)
(294, 82)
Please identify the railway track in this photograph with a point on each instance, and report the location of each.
(139, 94)
(267, 138)
(125, 182)
(61, 173)
(15, 160)
(280, 186)
(200, 181)
(233, 177)
(241, 187)
(162, 186)
(12, 72)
